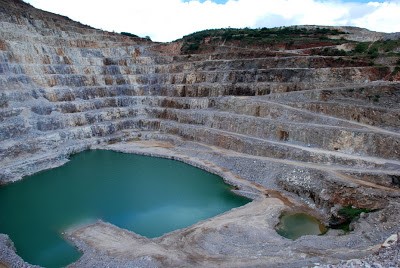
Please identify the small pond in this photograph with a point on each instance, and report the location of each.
(295, 225)
(147, 195)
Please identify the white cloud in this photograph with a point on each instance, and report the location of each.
(385, 17)
(167, 20)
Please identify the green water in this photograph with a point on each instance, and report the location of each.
(295, 225)
(150, 196)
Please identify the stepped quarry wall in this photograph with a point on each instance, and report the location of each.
(293, 129)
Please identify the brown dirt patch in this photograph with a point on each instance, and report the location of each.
(3, 46)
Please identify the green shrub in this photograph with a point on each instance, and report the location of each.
(345, 216)
(373, 52)
(333, 52)
(396, 70)
(129, 34)
(361, 47)
(351, 213)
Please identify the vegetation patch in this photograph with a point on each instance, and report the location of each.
(377, 48)
(135, 36)
(129, 34)
(331, 52)
(396, 70)
(293, 37)
(290, 37)
(345, 217)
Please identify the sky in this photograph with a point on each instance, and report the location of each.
(168, 20)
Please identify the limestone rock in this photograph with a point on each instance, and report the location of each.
(297, 119)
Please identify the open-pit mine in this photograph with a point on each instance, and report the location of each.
(302, 120)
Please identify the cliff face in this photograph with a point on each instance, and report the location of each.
(332, 116)
(63, 82)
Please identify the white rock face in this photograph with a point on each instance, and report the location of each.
(391, 241)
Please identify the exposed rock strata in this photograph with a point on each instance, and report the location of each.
(293, 128)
